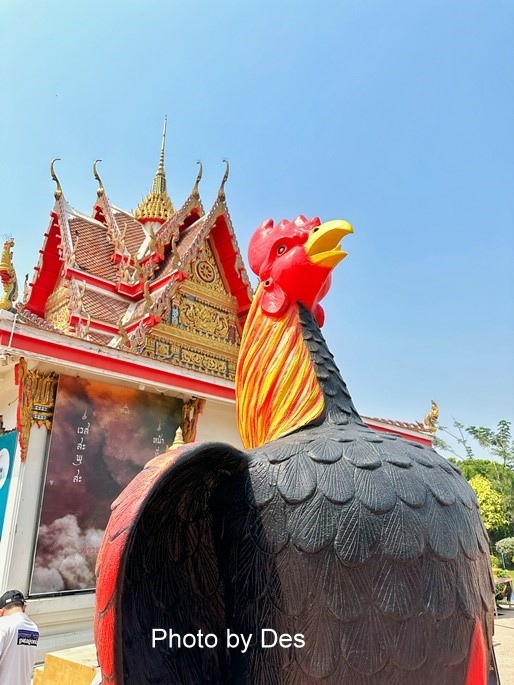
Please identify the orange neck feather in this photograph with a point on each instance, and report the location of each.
(277, 389)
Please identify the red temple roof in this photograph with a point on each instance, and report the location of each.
(119, 269)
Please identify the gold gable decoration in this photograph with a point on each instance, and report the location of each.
(191, 348)
(57, 312)
(201, 333)
(204, 273)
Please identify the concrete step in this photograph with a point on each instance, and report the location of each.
(74, 666)
(38, 675)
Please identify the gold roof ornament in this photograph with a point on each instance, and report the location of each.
(58, 190)
(195, 190)
(221, 191)
(124, 340)
(147, 296)
(8, 279)
(431, 419)
(100, 190)
(157, 204)
(179, 439)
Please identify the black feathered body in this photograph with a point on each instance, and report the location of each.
(369, 546)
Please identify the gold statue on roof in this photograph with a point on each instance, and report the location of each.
(8, 277)
(431, 419)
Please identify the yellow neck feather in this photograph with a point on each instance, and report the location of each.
(277, 390)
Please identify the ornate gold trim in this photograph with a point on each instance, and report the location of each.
(191, 410)
(36, 401)
(214, 290)
(57, 311)
(191, 357)
(170, 334)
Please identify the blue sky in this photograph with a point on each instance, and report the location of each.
(393, 114)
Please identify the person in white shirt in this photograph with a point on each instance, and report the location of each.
(18, 640)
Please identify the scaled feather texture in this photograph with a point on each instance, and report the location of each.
(369, 546)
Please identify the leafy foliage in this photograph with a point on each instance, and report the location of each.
(458, 434)
(496, 563)
(492, 504)
(499, 442)
(499, 470)
(506, 547)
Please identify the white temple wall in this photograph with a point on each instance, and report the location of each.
(217, 423)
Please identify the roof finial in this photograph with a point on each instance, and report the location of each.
(198, 178)
(58, 190)
(157, 204)
(221, 191)
(163, 144)
(159, 183)
(100, 190)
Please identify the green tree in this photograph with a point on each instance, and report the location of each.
(500, 478)
(499, 441)
(506, 547)
(492, 504)
(499, 470)
(458, 434)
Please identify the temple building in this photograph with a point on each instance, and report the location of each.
(128, 331)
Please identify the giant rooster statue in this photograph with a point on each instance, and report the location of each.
(325, 554)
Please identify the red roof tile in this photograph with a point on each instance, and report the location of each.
(103, 307)
(131, 228)
(416, 426)
(92, 248)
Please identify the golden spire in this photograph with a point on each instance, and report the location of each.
(159, 182)
(157, 204)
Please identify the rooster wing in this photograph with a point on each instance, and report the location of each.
(158, 567)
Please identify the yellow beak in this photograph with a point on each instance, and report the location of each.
(323, 246)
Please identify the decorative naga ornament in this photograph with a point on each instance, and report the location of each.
(431, 419)
(326, 553)
(8, 277)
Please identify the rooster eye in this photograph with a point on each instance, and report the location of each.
(281, 249)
